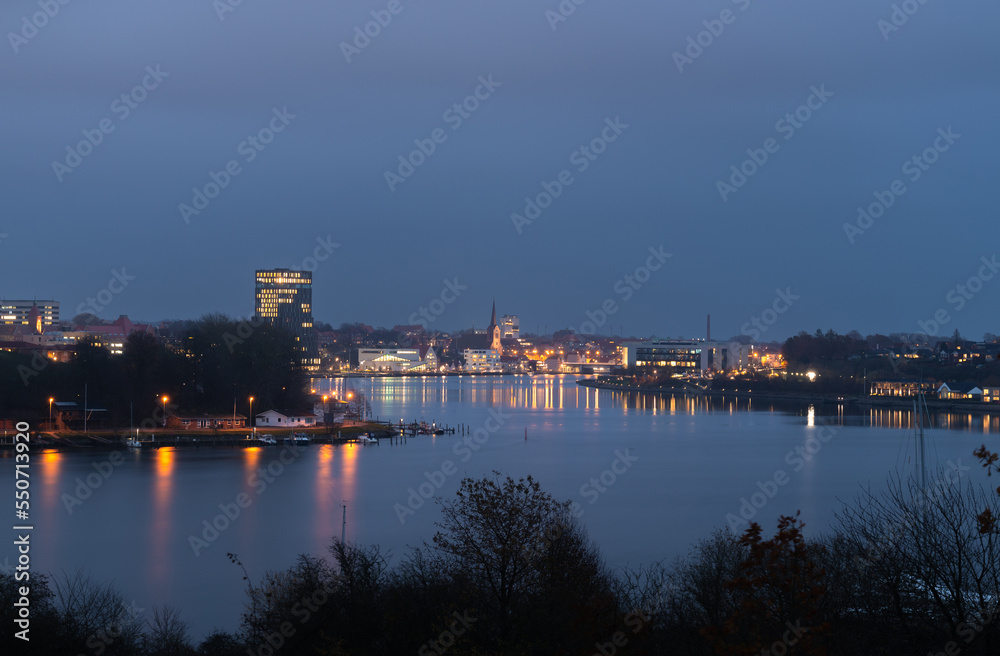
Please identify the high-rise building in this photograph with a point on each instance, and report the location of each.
(284, 298)
(510, 327)
(39, 315)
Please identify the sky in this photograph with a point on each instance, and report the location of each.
(824, 107)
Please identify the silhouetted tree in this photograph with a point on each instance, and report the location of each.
(781, 587)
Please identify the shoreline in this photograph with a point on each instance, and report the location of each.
(834, 399)
(102, 441)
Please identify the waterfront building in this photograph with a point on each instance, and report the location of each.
(286, 419)
(482, 360)
(960, 392)
(392, 359)
(284, 298)
(991, 394)
(901, 387)
(206, 421)
(686, 356)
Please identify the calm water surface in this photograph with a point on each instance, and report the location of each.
(690, 462)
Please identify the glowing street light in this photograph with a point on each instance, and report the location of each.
(165, 399)
(50, 412)
(251, 417)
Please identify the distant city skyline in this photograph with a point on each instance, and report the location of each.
(849, 162)
(750, 329)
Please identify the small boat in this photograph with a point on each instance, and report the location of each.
(300, 438)
(133, 443)
(268, 439)
(367, 439)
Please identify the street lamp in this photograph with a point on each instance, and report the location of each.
(251, 417)
(165, 399)
(50, 412)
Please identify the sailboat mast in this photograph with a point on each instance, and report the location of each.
(918, 414)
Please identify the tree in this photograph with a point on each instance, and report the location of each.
(494, 533)
(168, 635)
(781, 588)
(987, 520)
(93, 613)
(927, 569)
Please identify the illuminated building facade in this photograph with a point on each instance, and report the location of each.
(38, 315)
(284, 298)
(694, 356)
(482, 360)
(397, 359)
(510, 327)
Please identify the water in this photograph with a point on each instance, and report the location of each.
(683, 465)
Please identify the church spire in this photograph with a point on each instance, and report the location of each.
(493, 333)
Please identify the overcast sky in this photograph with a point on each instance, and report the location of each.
(71, 218)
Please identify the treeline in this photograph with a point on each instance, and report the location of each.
(831, 354)
(219, 361)
(906, 571)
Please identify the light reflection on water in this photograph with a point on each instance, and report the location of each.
(559, 392)
(697, 457)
